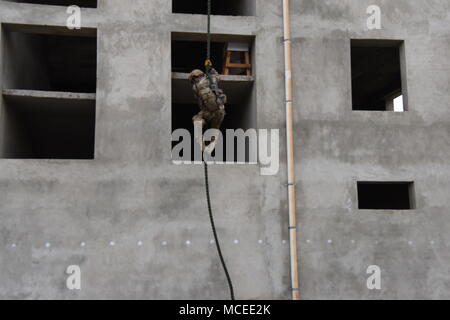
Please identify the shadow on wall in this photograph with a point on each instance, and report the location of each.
(218, 7)
(80, 3)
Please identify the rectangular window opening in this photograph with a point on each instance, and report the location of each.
(49, 77)
(378, 75)
(49, 59)
(218, 7)
(80, 3)
(386, 195)
(188, 54)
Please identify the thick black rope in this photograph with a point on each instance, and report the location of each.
(213, 227)
(208, 34)
(208, 198)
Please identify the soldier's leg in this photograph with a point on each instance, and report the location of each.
(216, 123)
(199, 123)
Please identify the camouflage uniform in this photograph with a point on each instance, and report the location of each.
(211, 102)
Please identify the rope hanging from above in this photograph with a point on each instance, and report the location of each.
(208, 67)
(208, 62)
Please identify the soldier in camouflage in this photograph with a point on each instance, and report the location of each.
(211, 101)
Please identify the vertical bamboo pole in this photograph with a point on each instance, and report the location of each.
(290, 152)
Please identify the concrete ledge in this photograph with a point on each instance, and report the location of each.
(223, 78)
(386, 212)
(48, 94)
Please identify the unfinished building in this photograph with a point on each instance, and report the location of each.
(87, 176)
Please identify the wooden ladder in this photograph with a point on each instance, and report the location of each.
(243, 50)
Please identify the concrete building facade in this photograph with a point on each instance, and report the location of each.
(86, 170)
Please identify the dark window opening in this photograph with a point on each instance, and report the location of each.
(377, 75)
(218, 7)
(48, 128)
(386, 195)
(36, 59)
(80, 3)
(189, 51)
(190, 55)
(48, 96)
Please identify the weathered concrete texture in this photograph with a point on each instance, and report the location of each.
(132, 192)
(337, 147)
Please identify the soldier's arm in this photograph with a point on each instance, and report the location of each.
(215, 74)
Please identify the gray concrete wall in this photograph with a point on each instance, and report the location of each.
(337, 147)
(132, 192)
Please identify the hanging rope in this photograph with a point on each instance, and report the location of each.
(216, 239)
(208, 39)
(208, 66)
